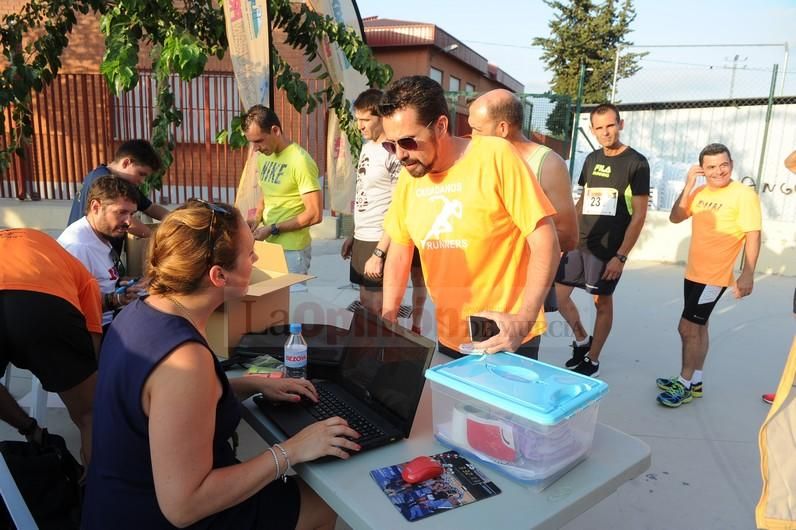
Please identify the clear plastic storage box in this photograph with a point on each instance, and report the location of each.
(529, 419)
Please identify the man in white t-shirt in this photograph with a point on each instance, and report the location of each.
(377, 175)
(111, 205)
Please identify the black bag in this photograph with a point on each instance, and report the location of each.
(48, 477)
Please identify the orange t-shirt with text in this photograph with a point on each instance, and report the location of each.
(720, 219)
(34, 261)
(470, 226)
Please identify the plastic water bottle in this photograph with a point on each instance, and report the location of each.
(296, 354)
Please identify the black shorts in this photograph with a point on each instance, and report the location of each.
(46, 335)
(361, 251)
(530, 349)
(276, 507)
(700, 299)
(581, 268)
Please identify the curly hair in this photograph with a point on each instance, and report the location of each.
(109, 188)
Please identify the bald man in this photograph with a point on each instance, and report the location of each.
(499, 113)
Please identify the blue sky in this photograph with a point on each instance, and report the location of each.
(503, 33)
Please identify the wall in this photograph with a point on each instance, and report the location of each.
(671, 140)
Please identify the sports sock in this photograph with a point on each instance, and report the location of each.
(685, 382)
(584, 342)
(697, 377)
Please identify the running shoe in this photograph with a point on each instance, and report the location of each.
(586, 367)
(769, 398)
(578, 353)
(675, 397)
(666, 384)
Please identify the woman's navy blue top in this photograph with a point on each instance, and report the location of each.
(120, 492)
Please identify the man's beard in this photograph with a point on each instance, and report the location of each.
(420, 168)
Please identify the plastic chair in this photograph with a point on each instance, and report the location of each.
(37, 399)
(15, 504)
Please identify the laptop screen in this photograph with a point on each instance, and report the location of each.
(384, 366)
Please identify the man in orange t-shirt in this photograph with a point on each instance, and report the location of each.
(482, 225)
(50, 324)
(725, 219)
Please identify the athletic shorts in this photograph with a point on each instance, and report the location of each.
(361, 251)
(580, 268)
(530, 349)
(46, 335)
(700, 299)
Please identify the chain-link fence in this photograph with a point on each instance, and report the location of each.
(547, 118)
(671, 110)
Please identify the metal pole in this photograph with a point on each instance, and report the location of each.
(784, 70)
(766, 127)
(616, 73)
(576, 118)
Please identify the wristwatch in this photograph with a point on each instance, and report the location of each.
(621, 257)
(379, 253)
(274, 230)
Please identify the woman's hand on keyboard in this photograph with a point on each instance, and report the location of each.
(287, 389)
(332, 437)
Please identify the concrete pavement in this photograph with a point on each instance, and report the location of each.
(705, 461)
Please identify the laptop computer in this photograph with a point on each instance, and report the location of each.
(376, 388)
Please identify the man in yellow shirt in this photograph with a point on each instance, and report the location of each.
(288, 177)
(482, 225)
(725, 219)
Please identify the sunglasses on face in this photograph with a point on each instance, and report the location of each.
(407, 144)
(211, 236)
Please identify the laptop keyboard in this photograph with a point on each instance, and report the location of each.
(329, 406)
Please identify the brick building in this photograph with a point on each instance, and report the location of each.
(78, 123)
(419, 48)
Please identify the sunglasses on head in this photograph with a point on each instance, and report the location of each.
(407, 144)
(211, 237)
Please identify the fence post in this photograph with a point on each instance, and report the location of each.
(759, 179)
(576, 118)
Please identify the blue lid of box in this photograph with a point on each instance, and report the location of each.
(530, 389)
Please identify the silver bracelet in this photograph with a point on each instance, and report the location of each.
(287, 461)
(276, 461)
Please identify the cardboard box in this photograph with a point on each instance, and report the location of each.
(137, 250)
(266, 304)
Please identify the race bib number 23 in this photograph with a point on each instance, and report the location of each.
(600, 201)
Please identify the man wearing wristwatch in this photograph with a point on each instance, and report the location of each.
(611, 212)
(50, 324)
(288, 178)
(377, 175)
(111, 204)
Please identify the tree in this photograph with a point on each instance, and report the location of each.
(589, 33)
(182, 35)
(559, 118)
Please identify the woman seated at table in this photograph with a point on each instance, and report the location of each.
(165, 410)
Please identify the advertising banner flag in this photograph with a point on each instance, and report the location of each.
(249, 35)
(340, 166)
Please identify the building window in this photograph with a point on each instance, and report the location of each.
(453, 84)
(435, 74)
(469, 88)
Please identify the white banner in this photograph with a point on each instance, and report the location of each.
(340, 167)
(249, 36)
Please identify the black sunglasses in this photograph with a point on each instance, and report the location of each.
(407, 144)
(211, 238)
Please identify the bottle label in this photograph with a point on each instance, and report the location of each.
(296, 362)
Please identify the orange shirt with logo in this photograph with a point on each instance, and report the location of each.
(720, 219)
(470, 226)
(34, 261)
